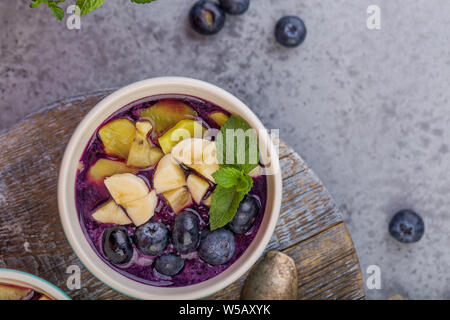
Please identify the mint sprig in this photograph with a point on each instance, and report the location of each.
(86, 6)
(233, 181)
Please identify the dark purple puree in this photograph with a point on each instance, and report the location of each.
(89, 196)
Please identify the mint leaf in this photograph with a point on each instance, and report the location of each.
(87, 6)
(57, 12)
(237, 145)
(227, 177)
(224, 205)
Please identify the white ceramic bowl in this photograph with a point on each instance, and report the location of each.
(73, 153)
(26, 280)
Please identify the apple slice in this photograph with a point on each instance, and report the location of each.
(11, 292)
(117, 137)
(197, 187)
(219, 117)
(178, 199)
(165, 114)
(184, 129)
(198, 154)
(111, 213)
(168, 175)
(126, 187)
(103, 168)
(141, 210)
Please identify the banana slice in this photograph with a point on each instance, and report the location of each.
(178, 199)
(126, 187)
(111, 213)
(141, 210)
(168, 175)
(198, 154)
(197, 187)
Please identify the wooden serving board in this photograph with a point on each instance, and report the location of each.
(310, 228)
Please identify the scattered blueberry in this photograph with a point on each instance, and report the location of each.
(407, 226)
(217, 247)
(152, 238)
(290, 31)
(235, 6)
(117, 245)
(245, 215)
(169, 264)
(185, 233)
(207, 17)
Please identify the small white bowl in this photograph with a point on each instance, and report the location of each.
(26, 280)
(66, 188)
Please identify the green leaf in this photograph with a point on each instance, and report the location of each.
(227, 177)
(238, 144)
(142, 1)
(57, 12)
(87, 6)
(224, 205)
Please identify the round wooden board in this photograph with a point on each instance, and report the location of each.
(310, 229)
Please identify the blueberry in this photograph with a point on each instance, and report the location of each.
(185, 233)
(117, 245)
(152, 238)
(169, 264)
(207, 17)
(407, 226)
(245, 215)
(235, 6)
(217, 247)
(290, 31)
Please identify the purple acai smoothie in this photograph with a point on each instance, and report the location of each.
(92, 194)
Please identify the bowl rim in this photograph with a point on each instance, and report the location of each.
(98, 113)
(21, 278)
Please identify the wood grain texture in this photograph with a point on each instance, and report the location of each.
(309, 229)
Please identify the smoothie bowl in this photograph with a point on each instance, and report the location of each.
(151, 200)
(18, 285)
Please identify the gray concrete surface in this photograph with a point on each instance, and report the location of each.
(368, 110)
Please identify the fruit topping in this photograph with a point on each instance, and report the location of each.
(142, 154)
(197, 187)
(168, 175)
(44, 297)
(219, 117)
(103, 168)
(199, 155)
(144, 127)
(111, 213)
(185, 233)
(217, 247)
(245, 215)
(169, 264)
(407, 226)
(167, 113)
(235, 6)
(126, 187)
(207, 17)
(207, 201)
(141, 210)
(290, 31)
(184, 129)
(117, 137)
(256, 172)
(178, 199)
(10, 292)
(117, 245)
(152, 238)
